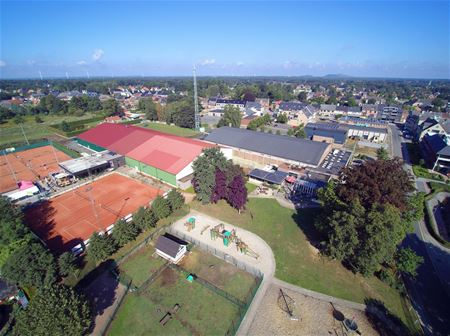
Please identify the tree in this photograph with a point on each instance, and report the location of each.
(282, 118)
(382, 154)
(231, 117)
(380, 181)
(111, 107)
(181, 112)
(144, 219)
(408, 261)
(302, 96)
(148, 106)
(297, 131)
(100, 247)
(55, 310)
(205, 171)
(67, 263)
(161, 207)
(31, 265)
(12, 227)
(237, 193)
(124, 232)
(176, 199)
(220, 188)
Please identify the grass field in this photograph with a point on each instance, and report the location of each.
(202, 311)
(171, 129)
(298, 262)
(250, 187)
(11, 133)
(141, 265)
(222, 274)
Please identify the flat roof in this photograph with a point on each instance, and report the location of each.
(285, 147)
(89, 162)
(164, 151)
(275, 177)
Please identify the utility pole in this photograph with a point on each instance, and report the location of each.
(10, 168)
(54, 152)
(196, 116)
(23, 132)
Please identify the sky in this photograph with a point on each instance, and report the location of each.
(409, 39)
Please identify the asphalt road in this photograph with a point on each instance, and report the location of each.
(428, 289)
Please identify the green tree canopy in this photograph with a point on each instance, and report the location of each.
(144, 218)
(231, 117)
(55, 310)
(67, 263)
(124, 232)
(161, 207)
(205, 172)
(176, 199)
(382, 154)
(100, 247)
(148, 106)
(408, 261)
(31, 265)
(282, 118)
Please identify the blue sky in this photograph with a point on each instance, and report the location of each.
(380, 39)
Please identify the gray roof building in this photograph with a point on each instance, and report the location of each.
(169, 244)
(284, 147)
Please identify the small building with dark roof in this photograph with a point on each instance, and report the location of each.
(326, 130)
(258, 149)
(171, 248)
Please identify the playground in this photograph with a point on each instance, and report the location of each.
(285, 312)
(71, 218)
(201, 296)
(29, 165)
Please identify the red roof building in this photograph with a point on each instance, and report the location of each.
(164, 156)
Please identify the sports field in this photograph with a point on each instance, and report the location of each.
(30, 165)
(71, 218)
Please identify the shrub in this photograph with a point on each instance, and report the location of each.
(100, 247)
(67, 263)
(124, 232)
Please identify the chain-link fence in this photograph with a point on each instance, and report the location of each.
(222, 255)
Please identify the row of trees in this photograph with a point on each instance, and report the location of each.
(216, 178)
(103, 246)
(367, 213)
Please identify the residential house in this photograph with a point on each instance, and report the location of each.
(389, 113)
(437, 152)
(429, 127)
(221, 103)
(327, 110)
(253, 108)
(369, 110)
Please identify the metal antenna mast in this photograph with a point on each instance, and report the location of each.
(196, 116)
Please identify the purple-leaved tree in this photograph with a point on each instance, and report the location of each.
(237, 193)
(220, 189)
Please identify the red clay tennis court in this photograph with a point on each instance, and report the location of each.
(29, 165)
(71, 218)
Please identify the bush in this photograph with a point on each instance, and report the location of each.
(144, 219)
(161, 208)
(387, 275)
(176, 199)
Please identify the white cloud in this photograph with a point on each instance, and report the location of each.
(97, 54)
(208, 61)
(240, 64)
(31, 62)
(290, 64)
(2, 63)
(82, 62)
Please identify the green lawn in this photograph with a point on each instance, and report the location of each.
(222, 274)
(202, 312)
(141, 265)
(250, 187)
(172, 129)
(298, 262)
(11, 133)
(420, 171)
